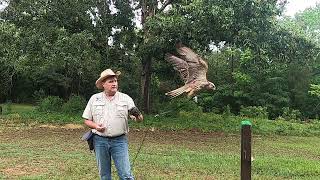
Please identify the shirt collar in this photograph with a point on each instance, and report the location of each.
(112, 98)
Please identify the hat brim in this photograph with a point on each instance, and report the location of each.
(101, 79)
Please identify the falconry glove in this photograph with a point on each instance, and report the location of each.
(134, 111)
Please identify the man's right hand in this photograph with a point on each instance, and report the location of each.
(100, 128)
(93, 125)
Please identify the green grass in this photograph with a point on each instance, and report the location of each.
(33, 152)
(209, 122)
(16, 108)
(188, 146)
(28, 114)
(204, 122)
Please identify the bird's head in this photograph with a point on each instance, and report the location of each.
(210, 86)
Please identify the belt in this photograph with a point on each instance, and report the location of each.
(110, 137)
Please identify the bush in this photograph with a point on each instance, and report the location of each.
(207, 102)
(227, 111)
(9, 107)
(39, 95)
(50, 104)
(74, 105)
(291, 114)
(254, 112)
(174, 106)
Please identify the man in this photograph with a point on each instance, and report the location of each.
(107, 115)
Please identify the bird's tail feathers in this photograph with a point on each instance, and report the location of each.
(177, 92)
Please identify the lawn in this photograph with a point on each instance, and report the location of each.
(38, 145)
(39, 151)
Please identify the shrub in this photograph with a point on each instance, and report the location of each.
(227, 111)
(207, 102)
(39, 95)
(74, 105)
(254, 112)
(8, 107)
(173, 107)
(184, 104)
(50, 104)
(291, 114)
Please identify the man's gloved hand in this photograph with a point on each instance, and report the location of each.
(134, 111)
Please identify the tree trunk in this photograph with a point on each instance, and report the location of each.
(148, 9)
(146, 63)
(145, 84)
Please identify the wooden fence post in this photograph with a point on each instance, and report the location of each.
(246, 150)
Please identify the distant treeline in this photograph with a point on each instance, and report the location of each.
(259, 61)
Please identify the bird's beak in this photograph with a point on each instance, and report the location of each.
(212, 86)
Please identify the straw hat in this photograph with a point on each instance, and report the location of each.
(105, 74)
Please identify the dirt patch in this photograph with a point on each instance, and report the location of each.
(48, 126)
(73, 126)
(192, 136)
(23, 170)
(75, 131)
(67, 126)
(45, 135)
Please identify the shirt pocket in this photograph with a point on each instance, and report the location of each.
(97, 111)
(122, 109)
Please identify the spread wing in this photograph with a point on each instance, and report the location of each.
(179, 65)
(192, 69)
(197, 67)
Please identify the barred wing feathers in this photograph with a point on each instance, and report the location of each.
(192, 70)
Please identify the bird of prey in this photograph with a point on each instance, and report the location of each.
(192, 69)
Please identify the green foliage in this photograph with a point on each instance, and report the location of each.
(50, 104)
(210, 122)
(254, 112)
(51, 48)
(59, 49)
(74, 105)
(226, 111)
(9, 57)
(315, 90)
(291, 114)
(207, 102)
(7, 108)
(182, 120)
(174, 107)
(39, 95)
(241, 78)
(305, 23)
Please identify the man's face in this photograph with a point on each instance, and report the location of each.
(110, 85)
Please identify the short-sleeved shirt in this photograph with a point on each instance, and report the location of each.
(112, 114)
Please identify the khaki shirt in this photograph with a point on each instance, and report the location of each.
(112, 114)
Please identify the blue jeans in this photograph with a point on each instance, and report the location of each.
(117, 149)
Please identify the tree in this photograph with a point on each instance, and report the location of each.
(9, 57)
(52, 43)
(65, 44)
(305, 25)
(59, 47)
(200, 23)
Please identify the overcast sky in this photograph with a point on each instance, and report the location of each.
(295, 6)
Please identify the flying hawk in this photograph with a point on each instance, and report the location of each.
(192, 69)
